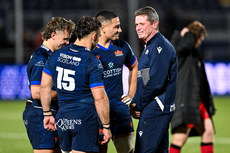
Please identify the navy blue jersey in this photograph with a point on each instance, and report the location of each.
(157, 74)
(35, 67)
(75, 70)
(113, 58)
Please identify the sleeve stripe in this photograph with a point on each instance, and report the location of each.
(46, 74)
(47, 71)
(134, 62)
(96, 85)
(35, 83)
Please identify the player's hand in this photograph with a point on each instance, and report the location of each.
(126, 99)
(184, 31)
(49, 123)
(135, 114)
(107, 136)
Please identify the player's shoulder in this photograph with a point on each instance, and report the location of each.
(92, 56)
(120, 43)
(162, 43)
(96, 50)
(61, 50)
(39, 54)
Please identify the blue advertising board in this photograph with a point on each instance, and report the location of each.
(14, 81)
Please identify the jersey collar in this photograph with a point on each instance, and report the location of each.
(76, 48)
(156, 35)
(106, 49)
(47, 49)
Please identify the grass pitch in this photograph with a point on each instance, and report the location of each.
(13, 137)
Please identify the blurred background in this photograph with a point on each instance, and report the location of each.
(21, 22)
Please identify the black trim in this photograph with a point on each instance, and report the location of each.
(206, 144)
(175, 146)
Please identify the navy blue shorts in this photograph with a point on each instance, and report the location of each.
(121, 120)
(39, 137)
(152, 132)
(78, 130)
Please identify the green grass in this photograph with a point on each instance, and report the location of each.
(13, 137)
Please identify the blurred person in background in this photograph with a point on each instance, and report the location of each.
(194, 103)
(56, 35)
(114, 53)
(78, 77)
(156, 85)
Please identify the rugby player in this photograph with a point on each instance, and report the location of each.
(56, 35)
(77, 75)
(114, 53)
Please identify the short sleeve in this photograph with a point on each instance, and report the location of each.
(96, 74)
(35, 78)
(47, 69)
(131, 59)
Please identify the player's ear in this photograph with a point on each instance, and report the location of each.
(103, 28)
(155, 24)
(94, 36)
(53, 34)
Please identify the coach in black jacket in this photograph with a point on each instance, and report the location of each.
(193, 91)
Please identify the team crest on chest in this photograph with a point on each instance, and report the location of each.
(118, 53)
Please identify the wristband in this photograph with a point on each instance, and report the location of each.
(106, 124)
(108, 128)
(47, 111)
(48, 115)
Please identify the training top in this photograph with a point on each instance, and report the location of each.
(75, 70)
(34, 70)
(157, 75)
(113, 58)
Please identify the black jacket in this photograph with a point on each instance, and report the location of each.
(192, 83)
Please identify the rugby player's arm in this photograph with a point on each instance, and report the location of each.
(101, 104)
(102, 107)
(46, 95)
(133, 80)
(35, 92)
(46, 92)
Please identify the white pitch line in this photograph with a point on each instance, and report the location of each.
(13, 135)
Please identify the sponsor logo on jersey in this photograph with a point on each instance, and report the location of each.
(159, 49)
(118, 53)
(78, 59)
(111, 65)
(100, 66)
(140, 133)
(65, 124)
(40, 63)
(112, 72)
(25, 122)
(68, 59)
